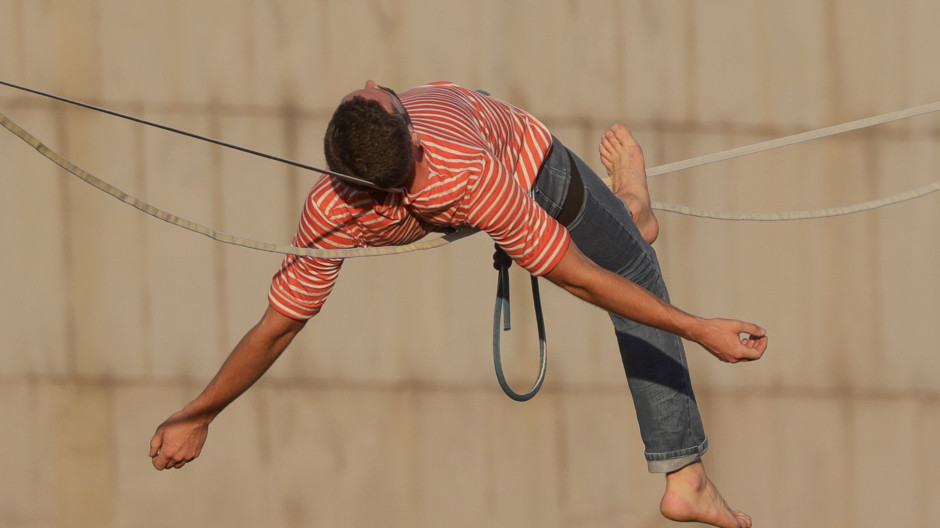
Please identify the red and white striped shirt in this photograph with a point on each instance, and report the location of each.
(483, 155)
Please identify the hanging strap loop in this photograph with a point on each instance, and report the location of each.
(502, 262)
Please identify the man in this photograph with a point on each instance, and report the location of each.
(440, 156)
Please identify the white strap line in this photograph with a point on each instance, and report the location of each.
(787, 141)
(800, 215)
(792, 140)
(463, 233)
(209, 232)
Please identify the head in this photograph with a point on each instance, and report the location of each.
(370, 137)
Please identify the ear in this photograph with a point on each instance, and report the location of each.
(417, 146)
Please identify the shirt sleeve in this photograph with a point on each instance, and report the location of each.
(499, 205)
(300, 287)
(302, 284)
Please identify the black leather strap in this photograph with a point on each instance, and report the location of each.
(575, 198)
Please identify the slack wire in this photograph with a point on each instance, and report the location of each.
(345, 177)
(462, 233)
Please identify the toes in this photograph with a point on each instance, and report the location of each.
(619, 134)
(618, 138)
(610, 144)
(606, 151)
(744, 520)
(617, 146)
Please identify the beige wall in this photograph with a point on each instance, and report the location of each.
(390, 415)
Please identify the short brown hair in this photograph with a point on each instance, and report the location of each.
(367, 141)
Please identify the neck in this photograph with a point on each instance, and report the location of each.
(422, 171)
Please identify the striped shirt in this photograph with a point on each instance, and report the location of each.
(483, 155)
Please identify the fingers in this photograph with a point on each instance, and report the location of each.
(752, 329)
(159, 462)
(753, 348)
(163, 461)
(177, 441)
(155, 443)
(755, 340)
(156, 458)
(737, 341)
(752, 341)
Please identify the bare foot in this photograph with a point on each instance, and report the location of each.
(691, 497)
(623, 159)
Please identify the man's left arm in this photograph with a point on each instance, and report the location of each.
(581, 277)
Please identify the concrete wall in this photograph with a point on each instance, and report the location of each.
(110, 320)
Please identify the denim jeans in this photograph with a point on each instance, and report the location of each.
(654, 360)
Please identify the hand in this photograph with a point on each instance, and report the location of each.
(178, 440)
(733, 341)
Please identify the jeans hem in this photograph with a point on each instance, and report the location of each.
(669, 462)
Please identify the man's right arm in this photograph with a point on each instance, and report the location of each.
(722, 337)
(180, 438)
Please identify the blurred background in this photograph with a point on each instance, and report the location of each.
(385, 411)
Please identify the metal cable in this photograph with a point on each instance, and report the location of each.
(463, 233)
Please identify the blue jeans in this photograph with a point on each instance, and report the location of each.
(654, 360)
